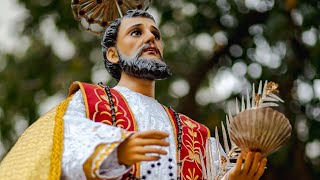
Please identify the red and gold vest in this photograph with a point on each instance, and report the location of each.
(194, 134)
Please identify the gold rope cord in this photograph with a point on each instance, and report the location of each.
(56, 155)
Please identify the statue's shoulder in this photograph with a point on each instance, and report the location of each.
(84, 87)
(100, 100)
(203, 129)
(93, 96)
(187, 118)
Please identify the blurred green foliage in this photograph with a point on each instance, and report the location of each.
(269, 40)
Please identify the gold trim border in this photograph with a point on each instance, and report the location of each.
(57, 147)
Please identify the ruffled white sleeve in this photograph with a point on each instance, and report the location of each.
(90, 147)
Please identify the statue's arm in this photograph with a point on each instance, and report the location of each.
(90, 148)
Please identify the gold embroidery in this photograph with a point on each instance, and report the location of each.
(108, 149)
(194, 156)
(92, 165)
(101, 99)
(190, 124)
(194, 153)
(193, 134)
(87, 166)
(191, 175)
(193, 142)
(135, 127)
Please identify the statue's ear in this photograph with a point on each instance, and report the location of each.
(112, 55)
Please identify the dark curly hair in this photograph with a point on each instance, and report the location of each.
(110, 38)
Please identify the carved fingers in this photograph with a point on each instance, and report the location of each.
(142, 146)
(237, 169)
(248, 163)
(144, 150)
(152, 134)
(261, 168)
(252, 168)
(138, 157)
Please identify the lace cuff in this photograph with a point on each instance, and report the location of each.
(103, 163)
(111, 169)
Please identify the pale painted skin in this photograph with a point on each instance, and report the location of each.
(133, 34)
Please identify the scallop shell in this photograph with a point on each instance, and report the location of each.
(262, 130)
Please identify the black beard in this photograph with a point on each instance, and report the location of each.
(143, 68)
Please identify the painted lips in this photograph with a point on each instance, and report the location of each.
(151, 49)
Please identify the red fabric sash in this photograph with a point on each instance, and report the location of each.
(194, 134)
(192, 154)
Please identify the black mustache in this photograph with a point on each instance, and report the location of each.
(144, 47)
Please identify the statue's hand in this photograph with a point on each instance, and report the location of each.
(135, 148)
(253, 167)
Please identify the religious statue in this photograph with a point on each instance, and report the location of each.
(123, 132)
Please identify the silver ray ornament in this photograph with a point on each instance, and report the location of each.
(95, 15)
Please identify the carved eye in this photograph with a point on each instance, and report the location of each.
(157, 36)
(136, 33)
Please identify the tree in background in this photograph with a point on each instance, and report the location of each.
(216, 49)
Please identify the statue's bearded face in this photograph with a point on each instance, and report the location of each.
(139, 49)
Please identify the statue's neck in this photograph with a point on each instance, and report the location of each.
(145, 87)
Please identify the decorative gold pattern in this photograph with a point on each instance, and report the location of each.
(194, 138)
(88, 164)
(194, 141)
(272, 87)
(191, 175)
(119, 110)
(105, 153)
